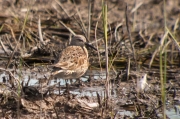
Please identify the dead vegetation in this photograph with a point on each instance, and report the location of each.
(33, 33)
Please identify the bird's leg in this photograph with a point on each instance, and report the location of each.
(79, 82)
(71, 81)
(66, 81)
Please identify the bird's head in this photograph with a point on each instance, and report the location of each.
(79, 40)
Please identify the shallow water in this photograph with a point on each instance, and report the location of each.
(172, 113)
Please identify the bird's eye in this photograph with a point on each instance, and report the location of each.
(80, 40)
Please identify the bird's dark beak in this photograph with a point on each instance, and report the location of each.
(88, 45)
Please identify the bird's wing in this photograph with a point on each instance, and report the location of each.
(71, 57)
(64, 65)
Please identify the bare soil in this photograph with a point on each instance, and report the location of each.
(131, 55)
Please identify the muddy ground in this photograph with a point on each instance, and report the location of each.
(25, 57)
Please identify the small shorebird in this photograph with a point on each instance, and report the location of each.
(73, 62)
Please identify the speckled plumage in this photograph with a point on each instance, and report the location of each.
(73, 62)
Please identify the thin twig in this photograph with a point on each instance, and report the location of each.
(129, 33)
(106, 51)
(99, 56)
(62, 8)
(4, 48)
(115, 32)
(67, 28)
(22, 31)
(81, 21)
(89, 19)
(9, 42)
(40, 31)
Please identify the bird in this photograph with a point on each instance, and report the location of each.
(74, 59)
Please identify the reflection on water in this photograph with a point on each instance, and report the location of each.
(174, 113)
(91, 91)
(33, 77)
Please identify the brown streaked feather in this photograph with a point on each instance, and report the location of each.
(73, 62)
(72, 57)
